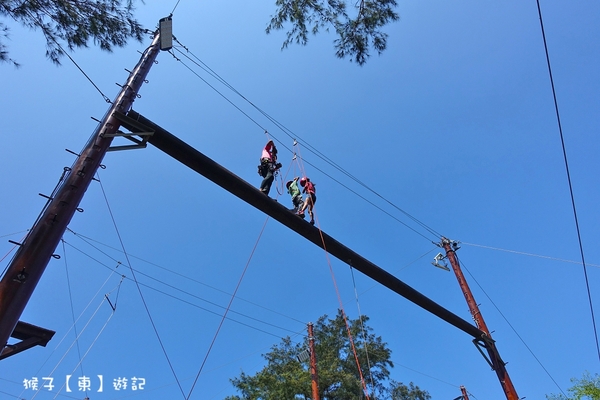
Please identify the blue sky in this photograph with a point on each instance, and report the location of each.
(454, 123)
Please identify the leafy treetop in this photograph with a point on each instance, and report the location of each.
(106, 23)
(588, 387)
(285, 377)
(356, 35)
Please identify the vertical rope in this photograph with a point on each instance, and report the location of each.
(164, 350)
(364, 332)
(227, 309)
(71, 303)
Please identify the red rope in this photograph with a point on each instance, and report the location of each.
(228, 307)
(362, 379)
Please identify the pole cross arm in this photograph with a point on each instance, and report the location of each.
(30, 336)
(213, 171)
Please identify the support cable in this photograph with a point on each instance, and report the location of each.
(195, 296)
(228, 307)
(404, 267)
(74, 341)
(88, 239)
(562, 141)
(176, 4)
(164, 350)
(370, 202)
(364, 332)
(113, 309)
(509, 324)
(301, 163)
(528, 254)
(41, 25)
(71, 327)
(14, 233)
(72, 309)
(215, 89)
(291, 134)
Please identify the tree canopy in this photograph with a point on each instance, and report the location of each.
(357, 34)
(106, 23)
(109, 23)
(285, 377)
(588, 387)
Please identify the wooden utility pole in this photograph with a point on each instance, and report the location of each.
(30, 261)
(314, 377)
(465, 396)
(485, 340)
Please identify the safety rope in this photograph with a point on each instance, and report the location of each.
(88, 241)
(71, 303)
(363, 330)
(77, 340)
(228, 308)
(113, 308)
(199, 63)
(69, 330)
(337, 291)
(164, 350)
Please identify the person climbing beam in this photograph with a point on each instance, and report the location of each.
(268, 166)
(294, 191)
(311, 197)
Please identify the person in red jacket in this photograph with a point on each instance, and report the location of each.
(311, 197)
(268, 166)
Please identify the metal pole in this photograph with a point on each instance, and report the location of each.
(30, 261)
(314, 377)
(496, 362)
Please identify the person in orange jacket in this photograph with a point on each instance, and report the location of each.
(311, 197)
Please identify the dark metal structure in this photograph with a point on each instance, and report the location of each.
(213, 171)
(33, 255)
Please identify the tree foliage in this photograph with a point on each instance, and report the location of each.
(356, 35)
(106, 23)
(286, 378)
(398, 391)
(588, 387)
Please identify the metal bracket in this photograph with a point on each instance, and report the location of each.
(304, 356)
(436, 262)
(488, 343)
(479, 344)
(139, 137)
(30, 336)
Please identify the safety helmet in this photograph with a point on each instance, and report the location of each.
(303, 181)
(287, 185)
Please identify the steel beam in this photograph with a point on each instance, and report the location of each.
(211, 170)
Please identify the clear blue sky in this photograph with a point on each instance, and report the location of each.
(454, 123)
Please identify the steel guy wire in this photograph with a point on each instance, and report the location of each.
(290, 134)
